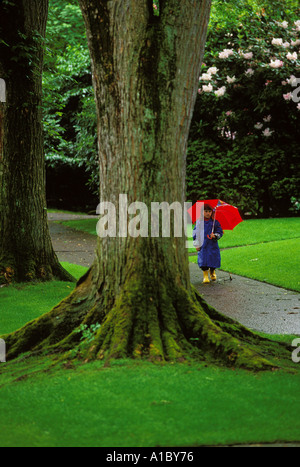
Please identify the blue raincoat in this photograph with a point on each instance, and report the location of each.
(209, 256)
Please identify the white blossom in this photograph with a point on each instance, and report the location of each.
(267, 132)
(226, 53)
(284, 24)
(280, 42)
(221, 91)
(276, 63)
(292, 80)
(247, 55)
(206, 77)
(207, 88)
(231, 79)
(213, 70)
(277, 41)
(293, 56)
(267, 119)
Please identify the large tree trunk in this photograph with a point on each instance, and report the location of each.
(26, 251)
(145, 71)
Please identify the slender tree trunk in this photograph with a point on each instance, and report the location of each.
(26, 251)
(145, 72)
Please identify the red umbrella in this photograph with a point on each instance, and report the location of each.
(228, 215)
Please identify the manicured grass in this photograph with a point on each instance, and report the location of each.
(61, 211)
(276, 262)
(84, 225)
(141, 404)
(76, 270)
(256, 231)
(265, 250)
(134, 403)
(25, 302)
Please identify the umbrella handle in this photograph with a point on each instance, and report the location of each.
(213, 227)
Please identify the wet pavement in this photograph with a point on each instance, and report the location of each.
(70, 245)
(256, 305)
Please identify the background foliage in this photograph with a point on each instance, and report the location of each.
(243, 144)
(69, 109)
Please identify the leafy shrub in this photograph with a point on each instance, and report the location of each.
(69, 106)
(245, 131)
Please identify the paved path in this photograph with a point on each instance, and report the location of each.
(71, 246)
(255, 304)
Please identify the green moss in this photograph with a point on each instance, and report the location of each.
(162, 323)
(47, 331)
(170, 324)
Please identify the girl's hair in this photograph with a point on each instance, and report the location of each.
(207, 207)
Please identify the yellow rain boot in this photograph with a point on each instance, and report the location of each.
(213, 275)
(205, 277)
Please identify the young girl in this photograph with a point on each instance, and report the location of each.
(209, 257)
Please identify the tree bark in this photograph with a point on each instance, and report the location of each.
(26, 251)
(137, 294)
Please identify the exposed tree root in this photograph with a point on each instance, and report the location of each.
(165, 324)
(32, 271)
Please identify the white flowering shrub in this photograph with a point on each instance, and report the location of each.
(247, 115)
(267, 67)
